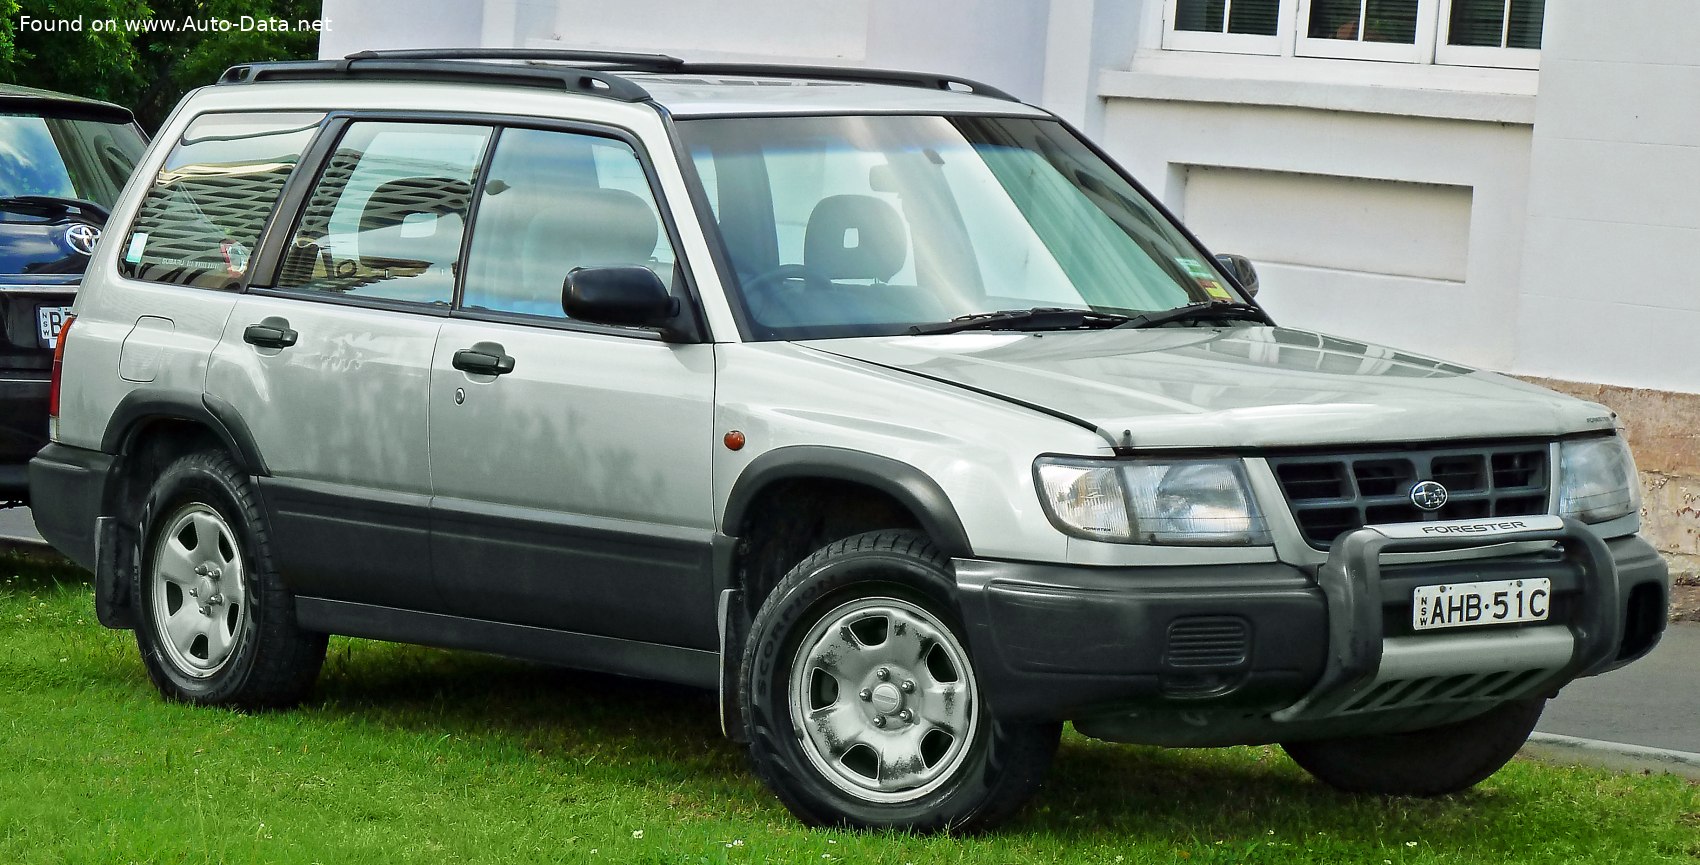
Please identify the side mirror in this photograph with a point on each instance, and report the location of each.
(631, 295)
(1240, 268)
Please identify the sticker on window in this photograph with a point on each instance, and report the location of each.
(235, 257)
(1206, 278)
(138, 242)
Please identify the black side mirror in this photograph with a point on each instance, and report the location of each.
(1240, 268)
(631, 295)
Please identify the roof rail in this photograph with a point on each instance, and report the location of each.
(928, 80)
(592, 82)
(594, 73)
(614, 59)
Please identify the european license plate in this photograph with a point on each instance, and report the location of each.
(1497, 602)
(51, 319)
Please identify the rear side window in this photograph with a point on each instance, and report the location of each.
(204, 212)
(386, 218)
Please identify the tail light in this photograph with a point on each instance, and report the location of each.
(58, 378)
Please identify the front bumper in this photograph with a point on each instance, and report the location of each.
(1212, 655)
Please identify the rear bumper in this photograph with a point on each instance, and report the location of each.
(1258, 653)
(23, 429)
(69, 488)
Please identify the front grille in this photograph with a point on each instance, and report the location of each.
(1335, 493)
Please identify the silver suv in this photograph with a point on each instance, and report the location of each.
(881, 403)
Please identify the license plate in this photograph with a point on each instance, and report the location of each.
(51, 319)
(1497, 602)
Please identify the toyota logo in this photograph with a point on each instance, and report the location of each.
(1428, 495)
(82, 237)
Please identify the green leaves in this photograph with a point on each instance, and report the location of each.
(139, 54)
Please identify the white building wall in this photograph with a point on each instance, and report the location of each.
(1002, 42)
(1392, 229)
(357, 25)
(1609, 292)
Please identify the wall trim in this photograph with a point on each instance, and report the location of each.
(1435, 92)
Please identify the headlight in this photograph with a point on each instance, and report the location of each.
(1150, 501)
(1597, 479)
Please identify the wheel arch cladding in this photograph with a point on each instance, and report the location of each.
(906, 484)
(143, 407)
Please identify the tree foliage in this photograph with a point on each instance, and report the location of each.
(144, 71)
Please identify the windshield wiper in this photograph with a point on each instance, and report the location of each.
(1037, 318)
(1202, 310)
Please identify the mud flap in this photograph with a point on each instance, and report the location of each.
(112, 564)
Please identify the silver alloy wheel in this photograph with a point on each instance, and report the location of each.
(200, 601)
(883, 699)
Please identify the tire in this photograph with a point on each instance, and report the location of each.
(1430, 762)
(940, 761)
(209, 636)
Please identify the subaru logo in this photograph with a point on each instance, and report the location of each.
(82, 237)
(1428, 495)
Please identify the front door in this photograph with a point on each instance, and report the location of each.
(572, 491)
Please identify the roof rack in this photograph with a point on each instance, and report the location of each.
(929, 81)
(593, 82)
(612, 59)
(593, 73)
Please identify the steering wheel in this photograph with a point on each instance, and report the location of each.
(813, 280)
(777, 296)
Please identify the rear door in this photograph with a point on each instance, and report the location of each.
(330, 365)
(573, 491)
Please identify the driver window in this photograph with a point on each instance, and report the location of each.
(556, 201)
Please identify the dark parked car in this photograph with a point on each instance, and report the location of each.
(63, 160)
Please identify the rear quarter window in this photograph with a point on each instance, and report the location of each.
(203, 213)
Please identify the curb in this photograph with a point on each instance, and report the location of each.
(1554, 748)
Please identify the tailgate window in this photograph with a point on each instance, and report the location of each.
(66, 157)
(204, 212)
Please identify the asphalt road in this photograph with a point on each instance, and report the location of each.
(1654, 702)
(16, 523)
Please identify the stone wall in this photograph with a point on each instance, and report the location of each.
(1664, 432)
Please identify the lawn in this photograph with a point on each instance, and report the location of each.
(417, 755)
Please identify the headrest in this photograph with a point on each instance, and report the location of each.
(393, 201)
(614, 228)
(855, 237)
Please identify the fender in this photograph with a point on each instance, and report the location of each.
(910, 486)
(215, 414)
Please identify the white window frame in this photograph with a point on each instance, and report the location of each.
(1227, 43)
(1291, 39)
(1421, 50)
(1482, 55)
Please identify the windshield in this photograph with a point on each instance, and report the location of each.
(865, 225)
(66, 158)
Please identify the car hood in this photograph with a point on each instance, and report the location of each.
(1232, 387)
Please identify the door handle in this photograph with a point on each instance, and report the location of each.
(485, 358)
(271, 332)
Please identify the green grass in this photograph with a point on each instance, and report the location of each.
(415, 755)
